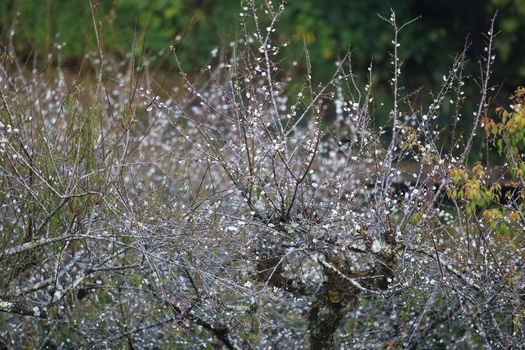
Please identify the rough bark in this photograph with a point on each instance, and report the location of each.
(327, 312)
(338, 296)
(21, 307)
(270, 269)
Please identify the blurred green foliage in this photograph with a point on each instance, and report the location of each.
(328, 28)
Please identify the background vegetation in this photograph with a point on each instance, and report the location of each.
(328, 29)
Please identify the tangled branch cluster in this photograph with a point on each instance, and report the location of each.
(248, 213)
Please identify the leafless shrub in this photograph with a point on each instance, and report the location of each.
(241, 216)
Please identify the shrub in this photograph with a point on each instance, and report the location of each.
(242, 215)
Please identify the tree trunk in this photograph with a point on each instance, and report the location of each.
(326, 315)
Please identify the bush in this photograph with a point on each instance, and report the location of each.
(239, 214)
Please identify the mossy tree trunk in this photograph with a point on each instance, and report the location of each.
(326, 315)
